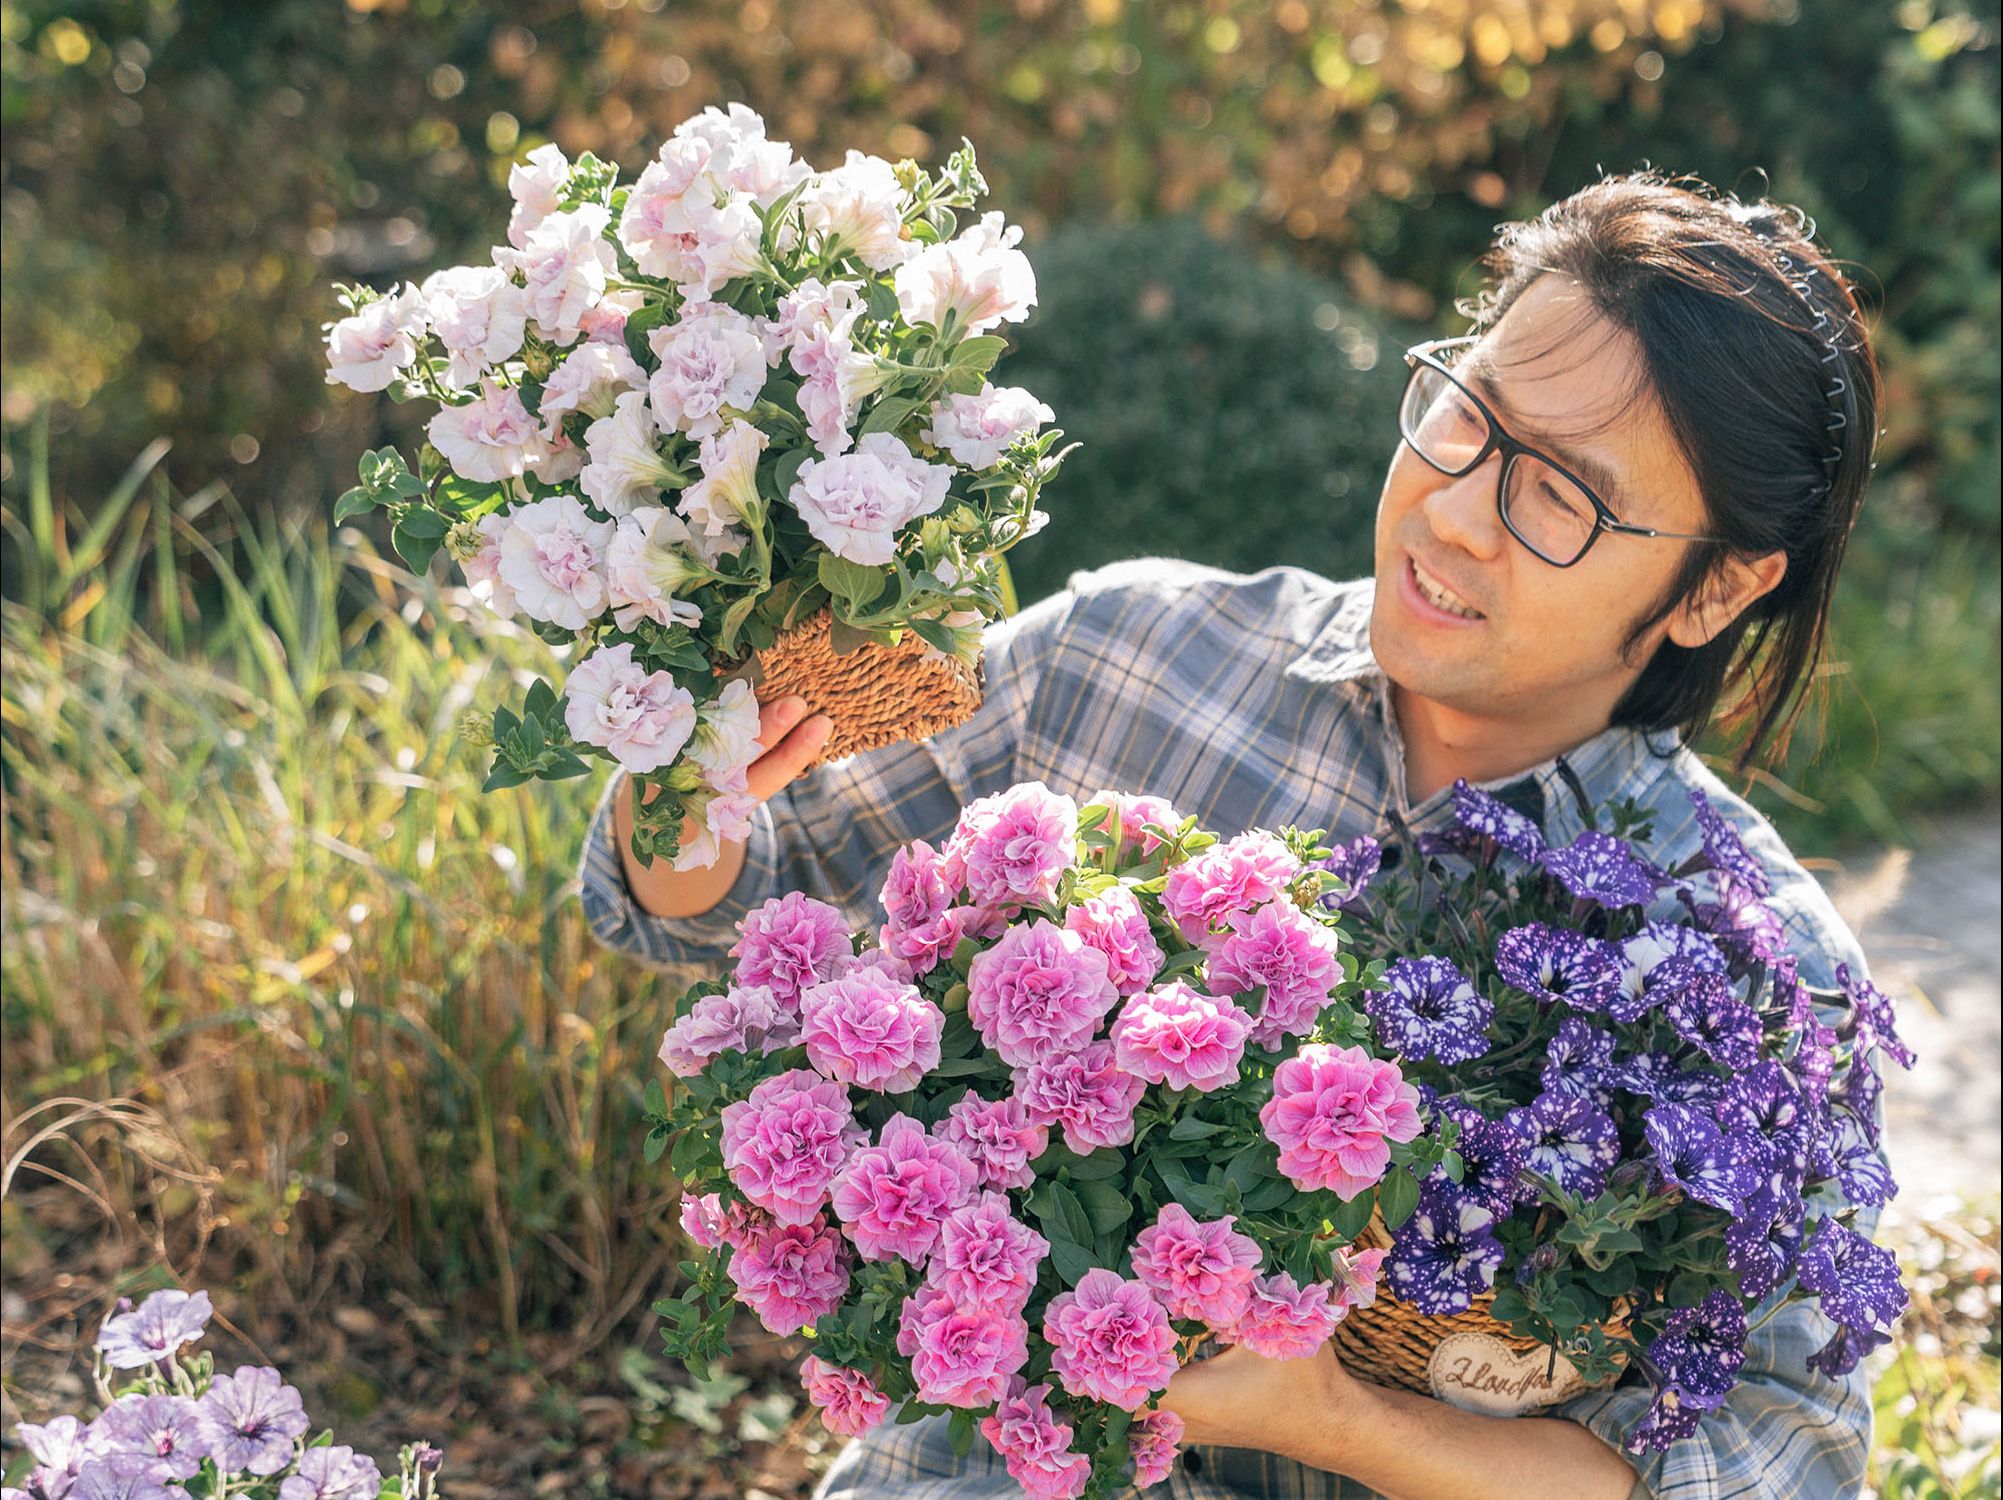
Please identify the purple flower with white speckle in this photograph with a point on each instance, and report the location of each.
(166, 1430)
(253, 1417)
(1856, 1161)
(1741, 921)
(1762, 1243)
(1569, 1139)
(1700, 1350)
(1604, 870)
(163, 1323)
(1726, 850)
(1663, 1079)
(1857, 1281)
(1491, 818)
(1668, 1422)
(1445, 1255)
(1695, 1155)
(1491, 1156)
(1356, 864)
(333, 1473)
(1556, 963)
(1427, 1008)
(1646, 979)
(1846, 1349)
(1576, 1062)
(1706, 1012)
(1876, 1023)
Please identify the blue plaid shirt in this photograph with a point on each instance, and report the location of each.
(1248, 702)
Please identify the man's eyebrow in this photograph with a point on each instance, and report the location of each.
(1479, 371)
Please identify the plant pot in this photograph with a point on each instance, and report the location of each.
(1466, 1359)
(876, 694)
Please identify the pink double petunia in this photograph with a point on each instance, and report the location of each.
(1284, 1320)
(791, 1275)
(1202, 894)
(997, 1136)
(1110, 1340)
(789, 943)
(1334, 1113)
(960, 1356)
(1196, 1268)
(1035, 1444)
(1174, 1035)
(871, 1030)
(1010, 850)
(785, 1143)
(1291, 954)
(849, 1402)
(893, 1197)
(1086, 1092)
(1112, 921)
(1039, 990)
(986, 1257)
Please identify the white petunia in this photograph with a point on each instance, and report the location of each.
(643, 718)
(564, 260)
(652, 558)
(858, 209)
(537, 186)
(727, 494)
(553, 558)
(491, 438)
(713, 358)
(980, 277)
(855, 505)
(591, 379)
(626, 468)
(368, 349)
(976, 430)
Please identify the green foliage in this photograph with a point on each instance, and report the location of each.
(1232, 409)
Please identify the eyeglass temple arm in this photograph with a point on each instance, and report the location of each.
(1631, 529)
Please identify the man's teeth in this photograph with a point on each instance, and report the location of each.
(1440, 596)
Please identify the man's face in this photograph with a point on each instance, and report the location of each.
(1522, 635)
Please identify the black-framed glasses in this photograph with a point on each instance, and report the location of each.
(1546, 507)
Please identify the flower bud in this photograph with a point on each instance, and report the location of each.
(476, 728)
(463, 541)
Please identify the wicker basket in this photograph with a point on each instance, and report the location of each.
(1467, 1359)
(876, 694)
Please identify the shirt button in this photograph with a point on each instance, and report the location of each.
(1193, 1461)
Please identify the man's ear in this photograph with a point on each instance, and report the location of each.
(1732, 589)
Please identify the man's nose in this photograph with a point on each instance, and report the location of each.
(1462, 511)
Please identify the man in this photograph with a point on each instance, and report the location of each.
(1619, 505)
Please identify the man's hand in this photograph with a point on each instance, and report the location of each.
(1238, 1399)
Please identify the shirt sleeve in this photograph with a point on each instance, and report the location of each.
(831, 834)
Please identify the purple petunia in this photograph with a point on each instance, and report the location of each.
(1705, 1011)
(1726, 850)
(1744, 924)
(1604, 870)
(123, 1478)
(1856, 1162)
(1491, 818)
(1427, 1008)
(1857, 1281)
(165, 1321)
(333, 1473)
(1846, 1349)
(1654, 962)
(1667, 1422)
(1700, 1350)
(1556, 963)
(1577, 1060)
(1767, 1098)
(169, 1431)
(1445, 1255)
(253, 1417)
(1356, 864)
(1692, 1153)
(1568, 1139)
(1492, 1163)
(60, 1447)
(1876, 1023)
(1762, 1243)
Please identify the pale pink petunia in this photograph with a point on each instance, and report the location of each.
(626, 471)
(977, 279)
(711, 361)
(986, 1257)
(589, 382)
(1196, 1268)
(1357, 1274)
(791, 1275)
(915, 891)
(857, 503)
(858, 209)
(1035, 1444)
(1113, 922)
(1291, 954)
(370, 348)
(1179, 1037)
(976, 430)
(1283, 1320)
(871, 1031)
(1154, 1438)
(1213, 885)
(998, 1136)
(1039, 989)
(564, 262)
(479, 317)
(491, 438)
(644, 718)
(960, 1355)
(848, 1400)
(537, 185)
(1110, 1340)
(1334, 1113)
(725, 500)
(553, 559)
(785, 1144)
(893, 1197)
(1012, 848)
(747, 1019)
(790, 942)
(647, 563)
(483, 568)
(1086, 1092)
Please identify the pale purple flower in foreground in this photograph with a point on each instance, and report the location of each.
(1012, 848)
(789, 943)
(1357, 1274)
(1087, 1092)
(976, 430)
(871, 1031)
(253, 1417)
(978, 279)
(1040, 989)
(167, 1431)
(855, 504)
(553, 559)
(1196, 1268)
(491, 438)
(1176, 1036)
(848, 1400)
(160, 1325)
(121, 1479)
(1203, 893)
(479, 316)
(367, 350)
(748, 1018)
(335, 1472)
(1112, 921)
(893, 1197)
(1110, 1340)
(60, 1447)
(711, 359)
(1284, 1320)
(997, 1136)
(784, 1144)
(644, 718)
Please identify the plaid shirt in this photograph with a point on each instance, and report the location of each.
(1248, 702)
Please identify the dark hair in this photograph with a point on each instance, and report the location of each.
(1756, 353)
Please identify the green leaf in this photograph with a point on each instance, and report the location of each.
(656, 1143)
(422, 521)
(1352, 1217)
(857, 584)
(416, 551)
(1397, 1197)
(1096, 1167)
(1070, 1261)
(890, 413)
(979, 353)
(1106, 1205)
(353, 502)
